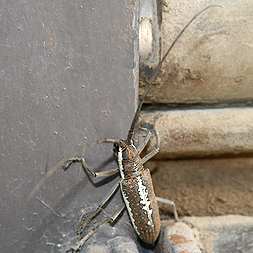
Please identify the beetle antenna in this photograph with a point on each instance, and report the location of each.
(137, 113)
(157, 69)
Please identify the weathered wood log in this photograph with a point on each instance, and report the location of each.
(180, 238)
(226, 234)
(205, 186)
(202, 133)
(213, 60)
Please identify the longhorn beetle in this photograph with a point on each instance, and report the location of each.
(135, 181)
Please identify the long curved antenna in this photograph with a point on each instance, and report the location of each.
(157, 69)
(137, 114)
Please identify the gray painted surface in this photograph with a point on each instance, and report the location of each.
(68, 77)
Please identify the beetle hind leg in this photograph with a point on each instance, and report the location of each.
(169, 203)
(85, 221)
(111, 220)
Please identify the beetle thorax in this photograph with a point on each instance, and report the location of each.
(128, 159)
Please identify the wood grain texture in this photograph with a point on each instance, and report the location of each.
(212, 61)
(203, 132)
(205, 187)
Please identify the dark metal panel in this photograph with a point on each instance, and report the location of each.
(68, 75)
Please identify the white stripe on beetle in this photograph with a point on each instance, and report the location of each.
(143, 193)
(123, 193)
(120, 163)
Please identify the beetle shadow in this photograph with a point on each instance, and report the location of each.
(157, 247)
(146, 246)
(52, 222)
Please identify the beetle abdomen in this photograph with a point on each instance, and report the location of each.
(139, 197)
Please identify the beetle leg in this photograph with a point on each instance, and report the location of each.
(84, 222)
(154, 151)
(169, 203)
(110, 221)
(90, 170)
(107, 140)
(146, 140)
(65, 164)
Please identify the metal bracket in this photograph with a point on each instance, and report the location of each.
(149, 35)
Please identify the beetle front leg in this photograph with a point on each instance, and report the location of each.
(107, 140)
(154, 151)
(146, 140)
(85, 167)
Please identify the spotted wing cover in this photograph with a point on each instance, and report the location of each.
(139, 197)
